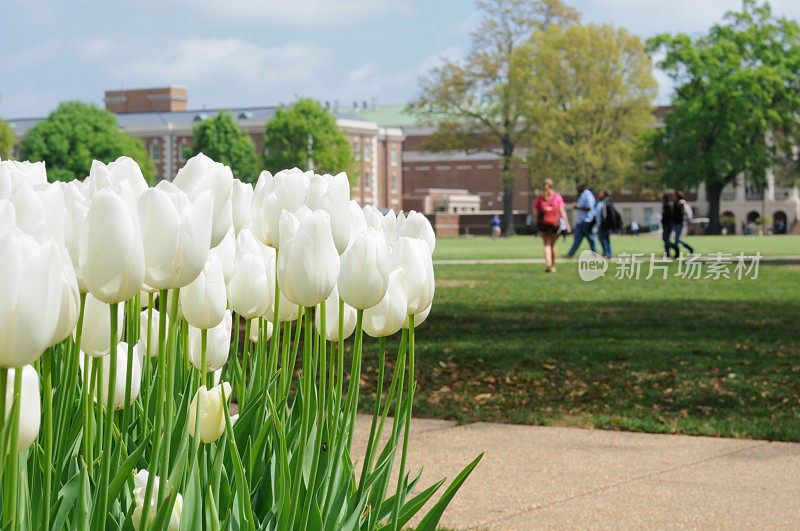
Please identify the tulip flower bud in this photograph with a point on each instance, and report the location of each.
(241, 201)
(176, 235)
(121, 374)
(285, 191)
(414, 256)
(96, 322)
(70, 301)
(139, 490)
(332, 318)
(226, 252)
(31, 289)
(364, 274)
(288, 311)
(152, 332)
(110, 251)
(255, 328)
(218, 344)
(387, 317)
(308, 263)
(419, 318)
(418, 226)
(30, 407)
(251, 289)
(332, 194)
(200, 174)
(211, 412)
(204, 301)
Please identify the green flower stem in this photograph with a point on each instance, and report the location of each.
(245, 360)
(87, 410)
(276, 334)
(366, 467)
(297, 331)
(97, 385)
(73, 356)
(131, 307)
(107, 448)
(172, 346)
(305, 422)
(146, 364)
(355, 377)
(47, 395)
(157, 438)
(12, 476)
(286, 371)
(407, 427)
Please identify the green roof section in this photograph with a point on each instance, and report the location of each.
(388, 116)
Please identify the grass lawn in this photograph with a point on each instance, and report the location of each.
(531, 247)
(509, 343)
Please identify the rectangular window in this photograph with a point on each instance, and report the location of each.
(394, 182)
(367, 180)
(367, 150)
(182, 148)
(155, 152)
(355, 149)
(394, 155)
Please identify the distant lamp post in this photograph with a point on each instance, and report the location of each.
(309, 148)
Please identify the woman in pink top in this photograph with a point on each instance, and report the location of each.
(551, 218)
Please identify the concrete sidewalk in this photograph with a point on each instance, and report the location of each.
(545, 477)
(789, 259)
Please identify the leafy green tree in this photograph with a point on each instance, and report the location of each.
(224, 141)
(75, 134)
(736, 103)
(286, 141)
(592, 91)
(7, 140)
(480, 103)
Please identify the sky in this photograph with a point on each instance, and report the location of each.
(232, 53)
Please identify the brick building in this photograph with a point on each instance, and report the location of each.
(160, 117)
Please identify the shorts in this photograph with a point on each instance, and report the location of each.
(548, 229)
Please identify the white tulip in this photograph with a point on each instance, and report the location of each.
(288, 310)
(176, 233)
(152, 332)
(372, 216)
(13, 172)
(120, 376)
(332, 318)
(241, 201)
(30, 408)
(388, 316)
(140, 487)
(226, 252)
(204, 301)
(95, 336)
(364, 273)
(31, 289)
(417, 225)
(110, 251)
(332, 194)
(285, 191)
(255, 328)
(308, 263)
(418, 318)
(218, 344)
(251, 289)
(211, 412)
(414, 256)
(70, 301)
(200, 174)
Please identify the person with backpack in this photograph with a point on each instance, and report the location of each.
(608, 221)
(551, 218)
(584, 225)
(681, 215)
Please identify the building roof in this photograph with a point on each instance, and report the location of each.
(137, 120)
(389, 116)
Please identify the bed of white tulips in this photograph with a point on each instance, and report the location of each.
(121, 358)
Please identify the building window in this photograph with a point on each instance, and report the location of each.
(394, 155)
(355, 149)
(394, 182)
(155, 152)
(182, 149)
(367, 180)
(367, 150)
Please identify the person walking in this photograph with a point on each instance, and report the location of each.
(585, 222)
(551, 217)
(496, 227)
(666, 226)
(681, 214)
(604, 222)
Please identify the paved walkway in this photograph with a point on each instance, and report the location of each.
(705, 258)
(545, 477)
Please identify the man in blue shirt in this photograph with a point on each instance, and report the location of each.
(585, 221)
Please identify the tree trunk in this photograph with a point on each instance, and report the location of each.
(714, 191)
(508, 189)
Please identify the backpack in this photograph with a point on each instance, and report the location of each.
(611, 219)
(688, 214)
(548, 215)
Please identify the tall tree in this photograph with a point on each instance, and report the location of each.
(221, 139)
(479, 104)
(593, 89)
(736, 103)
(286, 141)
(75, 134)
(7, 140)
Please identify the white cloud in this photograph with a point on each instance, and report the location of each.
(304, 12)
(362, 73)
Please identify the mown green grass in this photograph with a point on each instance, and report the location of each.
(531, 247)
(509, 343)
